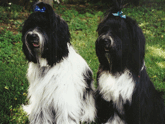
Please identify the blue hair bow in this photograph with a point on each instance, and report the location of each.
(37, 9)
(119, 13)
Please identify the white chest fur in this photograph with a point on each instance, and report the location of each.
(116, 88)
(60, 89)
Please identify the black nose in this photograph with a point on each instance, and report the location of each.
(107, 43)
(32, 38)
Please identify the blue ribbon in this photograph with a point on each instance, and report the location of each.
(37, 9)
(119, 13)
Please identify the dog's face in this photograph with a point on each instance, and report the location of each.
(119, 43)
(45, 35)
(35, 40)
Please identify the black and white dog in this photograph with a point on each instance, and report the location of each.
(125, 94)
(60, 90)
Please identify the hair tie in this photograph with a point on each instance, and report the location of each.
(37, 9)
(119, 13)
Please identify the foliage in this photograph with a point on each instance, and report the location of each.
(13, 84)
(82, 21)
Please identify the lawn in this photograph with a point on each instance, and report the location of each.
(82, 21)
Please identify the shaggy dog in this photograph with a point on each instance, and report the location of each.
(60, 90)
(125, 94)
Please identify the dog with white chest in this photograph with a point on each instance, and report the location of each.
(60, 90)
(125, 94)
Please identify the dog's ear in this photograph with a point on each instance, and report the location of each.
(59, 37)
(30, 56)
(138, 46)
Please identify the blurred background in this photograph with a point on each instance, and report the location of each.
(27, 3)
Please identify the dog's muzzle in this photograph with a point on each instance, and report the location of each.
(107, 42)
(33, 39)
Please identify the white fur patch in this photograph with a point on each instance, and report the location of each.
(43, 62)
(115, 120)
(116, 87)
(59, 88)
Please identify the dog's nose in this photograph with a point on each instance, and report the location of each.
(106, 39)
(32, 37)
(107, 43)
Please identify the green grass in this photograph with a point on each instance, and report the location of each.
(13, 84)
(82, 23)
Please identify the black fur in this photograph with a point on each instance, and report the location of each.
(147, 104)
(127, 52)
(89, 80)
(55, 31)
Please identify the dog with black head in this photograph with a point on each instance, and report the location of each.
(125, 94)
(60, 90)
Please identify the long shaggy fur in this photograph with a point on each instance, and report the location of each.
(60, 90)
(125, 94)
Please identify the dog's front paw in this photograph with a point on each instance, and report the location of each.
(27, 109)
